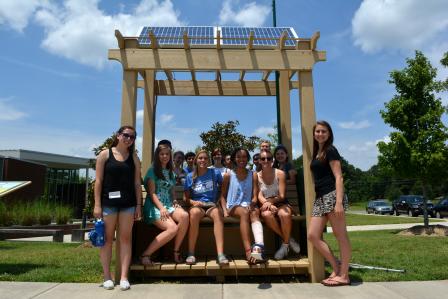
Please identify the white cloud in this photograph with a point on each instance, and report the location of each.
(250, 15)
(140, 115)
(165, 118)
(8, 112)
(79, 30)
(355, 125)
(16, 14)
(263, 131)
(394, 24)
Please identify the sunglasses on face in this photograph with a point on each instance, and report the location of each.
(128, 136)
(266, 158)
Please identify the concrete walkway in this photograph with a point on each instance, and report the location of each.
(379, 290)
(385, 226)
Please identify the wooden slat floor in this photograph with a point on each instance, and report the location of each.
(238, 266)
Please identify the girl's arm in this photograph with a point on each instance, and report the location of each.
(100, 162)
(335, 166)
(138, 187)
(222, 197)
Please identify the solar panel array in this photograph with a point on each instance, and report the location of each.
(174, 35)
(238, 36)
(206, 35)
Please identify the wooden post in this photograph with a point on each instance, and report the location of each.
(129, 98)
(148, 120)
(308, 119)
(285, 111)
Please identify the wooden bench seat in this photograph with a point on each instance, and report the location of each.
(143, 234)
(17, 233)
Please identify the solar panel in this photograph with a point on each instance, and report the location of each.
(239, 36)
(206, 35)
(174, 35)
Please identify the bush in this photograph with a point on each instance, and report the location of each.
(62, 214)
(44, 212)
(5, 215)
(24, 214)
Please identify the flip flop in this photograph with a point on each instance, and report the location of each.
(335, 283)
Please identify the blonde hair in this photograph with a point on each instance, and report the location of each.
(195, 169)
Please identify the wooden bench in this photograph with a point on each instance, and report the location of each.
(16, 233)
(205, 252)
(78, 235)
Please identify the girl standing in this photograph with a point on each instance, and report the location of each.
(272, 186)
(118, 200)
(330, 204)
(240, 185)
(201, 192)
(160, 207)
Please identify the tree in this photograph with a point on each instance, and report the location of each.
(226, 137)
(418, 148)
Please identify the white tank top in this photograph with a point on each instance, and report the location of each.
(268, 190)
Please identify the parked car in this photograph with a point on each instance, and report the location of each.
(441, 208)
(412, 205)
(379, 206)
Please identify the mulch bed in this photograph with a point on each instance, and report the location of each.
(435, 230)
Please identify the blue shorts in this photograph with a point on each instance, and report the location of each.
(114, 210)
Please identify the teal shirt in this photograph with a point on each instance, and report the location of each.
(163, 191)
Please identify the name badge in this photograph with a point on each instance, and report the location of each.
(115, 194)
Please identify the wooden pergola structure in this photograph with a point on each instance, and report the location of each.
(287, 60)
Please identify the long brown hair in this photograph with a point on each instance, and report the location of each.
(120, 131)
(158, 166)
(327, 143)
(195, 167)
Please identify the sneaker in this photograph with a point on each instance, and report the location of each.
(282, 252)
(294, 245)
(124, 285)
(108, 285)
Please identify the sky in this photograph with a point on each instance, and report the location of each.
(60, 94)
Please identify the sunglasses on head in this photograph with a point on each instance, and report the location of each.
(128, 136)
(266, 158)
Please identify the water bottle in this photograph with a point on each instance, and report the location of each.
(99, 229)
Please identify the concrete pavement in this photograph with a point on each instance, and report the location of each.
(374, 290)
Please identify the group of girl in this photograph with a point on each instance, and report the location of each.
(211, 192)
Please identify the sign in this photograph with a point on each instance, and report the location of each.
(8, 187)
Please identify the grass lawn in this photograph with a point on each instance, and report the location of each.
(423, 258)
(47, 261)
(357, 219)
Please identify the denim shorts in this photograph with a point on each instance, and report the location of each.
(114, 210)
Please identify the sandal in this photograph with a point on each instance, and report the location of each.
(145, 260)
(222, 260)
(191, 260)
(249, 258)
(332, 282)
(178, 257)
(258, 253)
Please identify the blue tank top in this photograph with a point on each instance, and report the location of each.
(239, 192)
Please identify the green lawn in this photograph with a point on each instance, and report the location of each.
(357, 219)
(47, 261)
(423, 258)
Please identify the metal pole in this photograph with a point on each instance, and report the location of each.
(277, 85)
(86, 201)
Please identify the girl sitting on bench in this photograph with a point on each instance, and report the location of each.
(240, 185)
(201, 192)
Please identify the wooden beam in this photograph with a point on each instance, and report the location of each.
(242, 73)
(218, 39)
(154, 43)
(217, 76)
(215, 88)
(129, 98)
(149, 108)
(120, 39)
(291, 74)
(250, 43)
(193, 75)
(169, 74)
(266, 75)
(308, 119)
(285, 110)
(210, 59)
(281, 40)
(186, 41)
(314, 40)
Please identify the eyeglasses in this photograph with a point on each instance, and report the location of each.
(266, 158)
(128, 136)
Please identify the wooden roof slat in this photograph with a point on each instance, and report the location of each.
(281, 40)
(291, 74)
(152, 37)
(242, 73)
(314, 40)
(217, 76)
(193, 75)
(218, 39)
(186, 41)
(120, 39)
(266, 75)
(169, 75)
(250, 43)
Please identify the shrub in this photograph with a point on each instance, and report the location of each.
(44, 212)
(5, 215)
(62, 214)
(24, 214)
